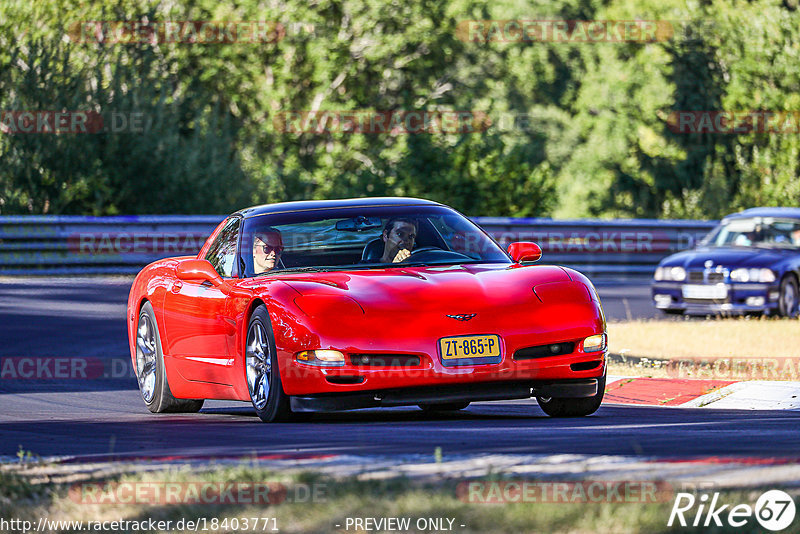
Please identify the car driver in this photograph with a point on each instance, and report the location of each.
(398, 237)
(267, 250)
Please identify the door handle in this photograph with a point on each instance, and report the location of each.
(176, 286)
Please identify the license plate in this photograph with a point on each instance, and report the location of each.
(696, 291)
(470, 350)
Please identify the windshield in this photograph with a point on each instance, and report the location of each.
(363, 238)
(756, 232)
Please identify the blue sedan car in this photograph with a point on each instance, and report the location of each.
(749, 263)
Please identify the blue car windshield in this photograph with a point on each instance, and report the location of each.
(763, 232)
(362, 238)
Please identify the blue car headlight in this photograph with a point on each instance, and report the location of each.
(753, 275)
(670, 274)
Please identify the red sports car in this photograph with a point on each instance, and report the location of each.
(335, 305)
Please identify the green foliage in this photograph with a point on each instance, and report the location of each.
(595, 140)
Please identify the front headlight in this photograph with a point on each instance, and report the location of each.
(670, 274)
(678, 274)
(594, 343)
(323, 358)
(659, 274)
(753, 275)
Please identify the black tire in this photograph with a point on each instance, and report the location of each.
(788, 297)
(444, 406)
(150, 358)
(672, 312)
(271, 405)
(574, 407)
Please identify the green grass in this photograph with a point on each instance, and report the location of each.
(737, 349)
(28, 495)
(743, 338)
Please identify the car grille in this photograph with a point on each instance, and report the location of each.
(385, 360)
(706, 277)
(542, 351)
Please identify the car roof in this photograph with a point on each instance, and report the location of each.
(766, 212)
(307, 205)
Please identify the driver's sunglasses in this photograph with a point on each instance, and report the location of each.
(269, 248)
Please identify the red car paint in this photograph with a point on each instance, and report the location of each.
(398, 310)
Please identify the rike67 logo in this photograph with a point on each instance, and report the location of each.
(774, 510)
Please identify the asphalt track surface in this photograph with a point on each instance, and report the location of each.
(105, 417)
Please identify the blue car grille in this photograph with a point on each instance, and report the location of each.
(696, 277)
(706, 276)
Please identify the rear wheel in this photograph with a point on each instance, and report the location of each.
(444, 406)
(573, 407)
(150, 371)
(261, 370)
(788, 297)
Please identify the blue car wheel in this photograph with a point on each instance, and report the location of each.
(788, 297)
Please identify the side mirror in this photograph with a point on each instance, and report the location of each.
(198, 271)
(524, 251)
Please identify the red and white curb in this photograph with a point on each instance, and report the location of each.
(697, 393)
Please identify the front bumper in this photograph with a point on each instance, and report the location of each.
(445, 394)
(416, 335)
(740, 299)
(301, 380)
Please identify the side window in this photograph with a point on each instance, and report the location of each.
(222, 252)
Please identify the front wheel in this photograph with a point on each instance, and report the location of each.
(573, 407)
(788, 299)
(261, 370)
(150, 371)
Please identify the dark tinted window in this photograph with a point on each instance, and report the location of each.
(347, 238)
(222, 253)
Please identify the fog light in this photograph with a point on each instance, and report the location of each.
(755, 301)
(594, 343)
(662, 301)
(328, 358)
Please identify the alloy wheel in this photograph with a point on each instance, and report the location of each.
(259, 365)
(146, 357)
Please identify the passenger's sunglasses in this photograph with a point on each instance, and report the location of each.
(269, 248)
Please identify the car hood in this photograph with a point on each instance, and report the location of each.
(404, 309)
(731, 257)
(455, 288)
